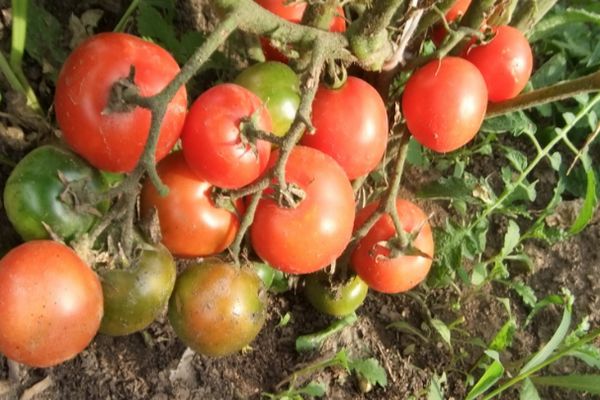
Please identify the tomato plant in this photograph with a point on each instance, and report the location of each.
(505, 62)
(212, 139)
(43, 189)
(444, 103)
(351, 126)
(372, 261)
(293, 12)
(310, 236)
(336, 300)
(277, 85)
(217, 308)
(108, 138)
(50, 304)
(190, 222)
(136, 295)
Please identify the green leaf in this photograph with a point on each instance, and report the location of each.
(452, 188)
(314, 389)
(313, 341)
(415, 155)
(511, 238)
(561, 332)
(492, 374)
(517, 123)
(371, 370)
(504, 336)
(435, 391)
(526, 293)
(552, 71)
(551, 25)
(588, 353)
(443, 330)
(479, 274)
(517, 158)
(285, 319)
(528, 391)
(45, 42)
(582, 383)
(591, 198)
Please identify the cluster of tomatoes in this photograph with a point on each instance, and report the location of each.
(52, 303)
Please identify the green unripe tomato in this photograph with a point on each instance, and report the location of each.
(217, 308)
(338, 301)
(35, 194)
(135, 297)
(277, 85)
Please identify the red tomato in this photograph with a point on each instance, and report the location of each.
(190, 223)
(351, 126)
(370, 260)
(444, 103)
(212, 144)
(311, 236)
(457, 10)
(114, 141)
(505, 62)
(50, 304)
(293, 12)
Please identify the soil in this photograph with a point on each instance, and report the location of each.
(155, 364)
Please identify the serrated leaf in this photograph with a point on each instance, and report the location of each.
(556, 23)
(443, 330)
(511, 238)
(526, 293)
(590, 202)
(435, 391)
(449, 189)
(528, 391)
(371, 370)
(582, 383)
(516, 123)
(517, 159)
(314, 389)
(552, 71)
(504, 336)
(492, 374)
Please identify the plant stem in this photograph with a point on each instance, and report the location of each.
(124, 19)
(560, 91)
(559, 354)
(320, 14)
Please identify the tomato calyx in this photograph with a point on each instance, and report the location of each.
(223, 199)
(121, 94)
(250, 133)
(401, 244)
(336, 74)
(76, 194)
(289, 196)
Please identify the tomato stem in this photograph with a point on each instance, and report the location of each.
(320, 15)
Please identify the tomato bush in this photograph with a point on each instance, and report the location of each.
(310, 236)
(351, 126)
(217, 308)
(43, 189)
(212, 141)
(277, 85)
(111, 139)
(505, 62)
(50, 304)
(190, 222)
(337, 299)
(136, 295)
(444, 103)
(372, 262)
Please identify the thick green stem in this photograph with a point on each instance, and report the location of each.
(530, 12)
(433, 15)
(560, 91)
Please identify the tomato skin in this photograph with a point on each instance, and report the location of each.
(50, 304)
(32, 194)
(371, 261)
(505, 62)
(114, 141)
(211, 139)
(444, 103)
(338, 303)
(351, 126)
(278, 87)
(293, 12)
(458, 9)
(191, 224)
(217, 308)
(309, 237)
(135, 297)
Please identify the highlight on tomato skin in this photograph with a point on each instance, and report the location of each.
(444, 103)
(505, 62)
(51, 304)
(191, 224)
(372, 262)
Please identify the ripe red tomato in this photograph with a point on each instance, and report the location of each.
(191, 224)
(371, 261)
(312, 235)
(217, 308)
(505, 62)
(444, 103)
(351, 126)
(114, 141)
(293, 12)
(50, 304)
(212, 144)
(457, 10)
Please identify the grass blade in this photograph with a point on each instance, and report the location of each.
(582, 383)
